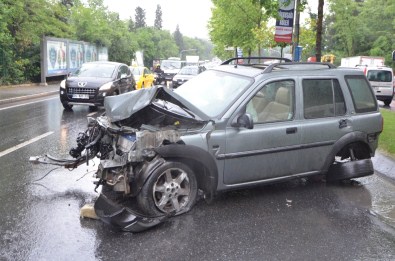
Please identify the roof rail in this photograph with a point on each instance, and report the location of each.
(299, 65)
(249, 58)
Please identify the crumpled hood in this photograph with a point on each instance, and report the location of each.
(123, 106)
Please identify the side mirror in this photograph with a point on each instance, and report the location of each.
(244, 120)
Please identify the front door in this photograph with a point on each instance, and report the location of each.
(269, 150)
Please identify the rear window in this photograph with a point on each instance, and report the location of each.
(379, 76)
(362, 95)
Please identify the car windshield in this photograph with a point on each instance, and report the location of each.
(99, 70)
(189, 71)
(213, 91)
(137, 71)
(168, 64)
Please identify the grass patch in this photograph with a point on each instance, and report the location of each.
(387, 137)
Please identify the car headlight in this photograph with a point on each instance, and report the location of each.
(106, 87)
(63, 84)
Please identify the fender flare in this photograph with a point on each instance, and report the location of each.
(356, 136)
(199, 160)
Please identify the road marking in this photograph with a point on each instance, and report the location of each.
(13, 106)
(91, 114)
(23, 144)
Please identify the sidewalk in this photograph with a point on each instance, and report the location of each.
(384, 165)
(22, 92)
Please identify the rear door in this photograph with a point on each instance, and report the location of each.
(325, 119)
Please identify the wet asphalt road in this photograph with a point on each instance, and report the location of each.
(297, 220)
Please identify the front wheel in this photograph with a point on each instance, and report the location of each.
(66, 106)
(170, 189)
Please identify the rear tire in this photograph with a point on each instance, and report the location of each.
(350, 169)
(170, 189)
(387, 102)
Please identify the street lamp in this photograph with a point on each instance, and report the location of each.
(189, 50)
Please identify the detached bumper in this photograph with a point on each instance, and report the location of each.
(123, 218)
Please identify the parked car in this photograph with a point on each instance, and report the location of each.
(233, 126)
(94, 81)
(186, 73)
(381, 79)
(144, 76)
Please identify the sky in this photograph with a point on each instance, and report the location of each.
(191, 15)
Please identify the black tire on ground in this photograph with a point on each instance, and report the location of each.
(67, 106)
(170, 189)
(387, 102)
(350, 169)
(92, 108)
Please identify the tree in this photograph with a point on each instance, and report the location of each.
(178, 39)
(140, 18)
(158, 18)
(235, 23)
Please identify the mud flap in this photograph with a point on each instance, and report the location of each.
(350, 169)
(123, 218)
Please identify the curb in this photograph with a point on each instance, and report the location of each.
(384, 166)
(27, 97)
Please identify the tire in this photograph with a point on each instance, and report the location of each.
(349, 170)
(66, 106)
(387, 102)
(170, 189)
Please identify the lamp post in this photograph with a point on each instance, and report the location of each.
(189, 50)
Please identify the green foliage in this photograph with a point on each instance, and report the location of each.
(23, 23)
(179, 39)
(361, 28)
(387, 140)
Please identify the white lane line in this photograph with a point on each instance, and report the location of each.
(27, 103)
(23, 144)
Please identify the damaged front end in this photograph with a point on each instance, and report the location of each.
(126, 139)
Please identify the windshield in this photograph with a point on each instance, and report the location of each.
(169, 64)
(379, 76)
(99, 70)
(213, 91)
(189, 71)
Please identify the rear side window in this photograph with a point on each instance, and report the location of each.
(362, 95)
(322, 98)
(379, 76)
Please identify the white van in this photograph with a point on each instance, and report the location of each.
(381, 79)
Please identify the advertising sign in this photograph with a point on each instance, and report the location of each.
(76, 55)
(56, 58)
(284, 25)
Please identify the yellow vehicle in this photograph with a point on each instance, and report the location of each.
(144, 77)
(328, 58)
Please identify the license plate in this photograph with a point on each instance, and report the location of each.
(80, 96)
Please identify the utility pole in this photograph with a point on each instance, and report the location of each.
(296, 30)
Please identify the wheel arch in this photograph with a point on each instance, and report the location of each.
(356, 138)
(200, 161)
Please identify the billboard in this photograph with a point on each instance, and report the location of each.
(62, 56)
(284, 24)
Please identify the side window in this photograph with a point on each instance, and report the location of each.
(122, 70)
(322, 98)
(362, 95)
(273, 102)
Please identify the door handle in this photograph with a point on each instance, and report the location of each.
(291, 130)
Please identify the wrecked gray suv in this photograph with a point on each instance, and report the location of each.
(230, 127)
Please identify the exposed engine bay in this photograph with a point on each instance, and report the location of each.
(128, 139)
